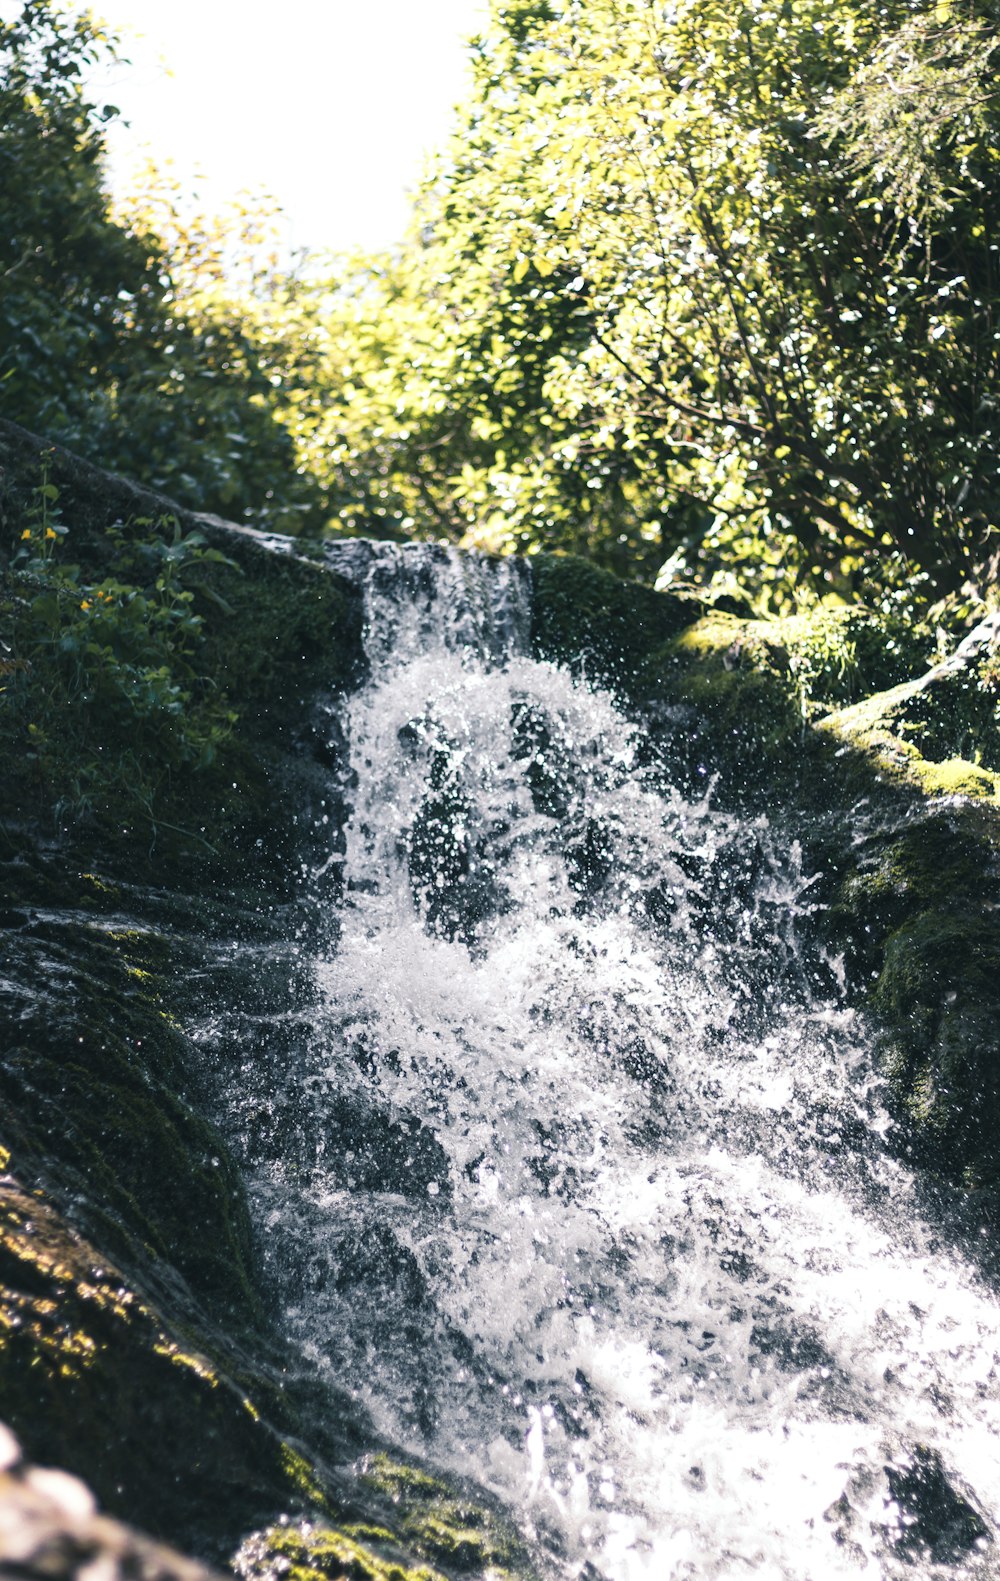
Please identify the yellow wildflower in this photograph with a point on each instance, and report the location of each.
(26, 534)
(85, 604)
(50, 532)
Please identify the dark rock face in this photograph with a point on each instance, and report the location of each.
(937, 1521)
(596, 624)
(135, 1348)
(92, 1082)
(94, 1378)
(917, 911)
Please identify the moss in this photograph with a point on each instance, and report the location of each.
(302, 1476)
(93, 1380)
(595, 623)
(938, 734)
(956, 777)
(92, 1080)
(450, 1524)
(757, 695)
(814, 660)
(320, 1553)
(431, 1529)
(936, 993)
(838, 654)
(917, 918)
(736, 711)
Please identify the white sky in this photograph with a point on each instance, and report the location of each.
(331, 105)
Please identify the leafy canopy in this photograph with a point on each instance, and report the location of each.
(716, 285)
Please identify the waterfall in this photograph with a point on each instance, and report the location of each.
(576, 1173)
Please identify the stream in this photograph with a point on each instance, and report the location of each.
(573, 1170)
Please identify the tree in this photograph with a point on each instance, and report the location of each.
(129, 345)
(679, 298)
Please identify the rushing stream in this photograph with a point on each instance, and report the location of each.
(580, 1181)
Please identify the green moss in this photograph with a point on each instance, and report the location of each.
(758, 695)
(739, 715)
(93, 1380)
(595, 623)
(450, 1524)
(955, 777)
(817, 659)
(302, 1476)
(918, 920)
(431, 1530)
(938, 733)
(311, 1552)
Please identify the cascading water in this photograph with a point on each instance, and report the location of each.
(579, 1179)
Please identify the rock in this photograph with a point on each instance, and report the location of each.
(936, 1520)
(917, 915)
(94, 1378)
(597, 624)
(939, 732)
(421, 1528)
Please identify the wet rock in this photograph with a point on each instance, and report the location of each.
(597, 624)
(552, 776)
(590, 856)
(93, 1378)
(453, 876)
(379, 1262)
(421, 1527)
(937, 1521)
(93, 1079)
(917, 917)
(377, 1151)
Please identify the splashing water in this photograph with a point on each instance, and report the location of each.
(580, 1182)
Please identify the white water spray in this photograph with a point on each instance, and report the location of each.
(592, 1203)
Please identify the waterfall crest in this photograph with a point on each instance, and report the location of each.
(581, 1183)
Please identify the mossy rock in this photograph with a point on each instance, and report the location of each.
(94, 1380)
(596, 624)
(93, 1072)
(312, 1552)
(917, 918)
(418, 1527)
(758, 701)
(814, 660)
(450, 1523)
(938, 734)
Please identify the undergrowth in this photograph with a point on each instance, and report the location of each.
(104, 702)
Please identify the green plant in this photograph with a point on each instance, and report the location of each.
(101, 686)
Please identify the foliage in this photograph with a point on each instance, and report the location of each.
(116, 338)
(100, 689)
(677, 293)
(700, 295)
